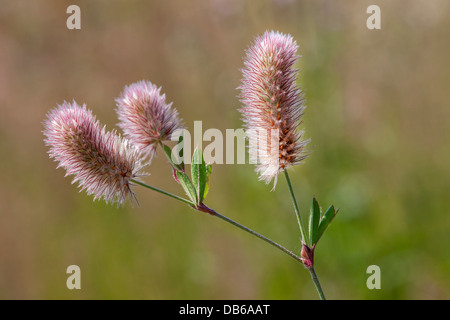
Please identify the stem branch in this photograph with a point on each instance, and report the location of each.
(204, 208)
(163, 192)
(317, 283)
(297, 211)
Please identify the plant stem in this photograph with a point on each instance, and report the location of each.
(204, 208)
(305, 240)
(317, 283)
(163, 192)
(212, 212)
(297, 211)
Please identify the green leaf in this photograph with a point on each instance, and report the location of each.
(198, 174)
(168, 152)
(187, 186)
(180, 151)
(314, 219)
(175, 155)
(208, 173)
(325, 221)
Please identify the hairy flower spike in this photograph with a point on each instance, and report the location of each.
(102, 162)
(144, 116)
(272, 104)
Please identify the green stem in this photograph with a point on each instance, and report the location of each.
(305, 240)
(204, 208)
(163, 192)
(317, 283)
(297, 211)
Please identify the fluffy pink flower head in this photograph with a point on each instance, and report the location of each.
(145, 117)
(272, 104)
(102, 162)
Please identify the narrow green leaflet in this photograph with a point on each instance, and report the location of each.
(198, 174)
(179, 149)
(187, 186)
(168, 152)
(325, 222)
(175, 155)
(314, 218)
(208, 173)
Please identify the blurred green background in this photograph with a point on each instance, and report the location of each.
(377, 114)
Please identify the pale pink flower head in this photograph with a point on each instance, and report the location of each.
(145, 117)
(272, 104)
(102, 163)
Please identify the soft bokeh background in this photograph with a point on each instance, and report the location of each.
(378, 117)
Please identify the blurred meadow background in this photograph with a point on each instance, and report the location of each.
(377, 114)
